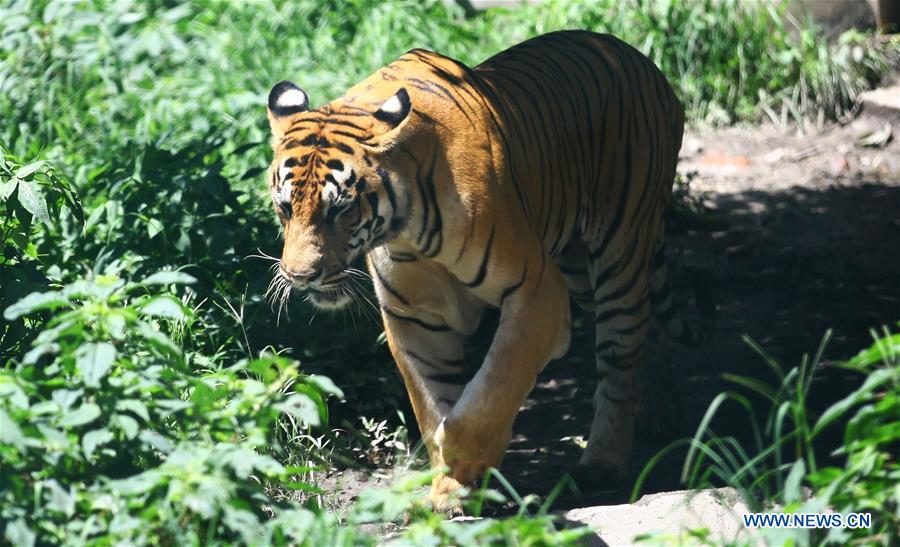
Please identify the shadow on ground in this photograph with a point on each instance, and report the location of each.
(784, 267)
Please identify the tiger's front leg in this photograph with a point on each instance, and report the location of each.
(427, 315)
(534, 328)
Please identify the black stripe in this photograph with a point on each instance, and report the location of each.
(437, 226)
(419, 322)
(509, 290)
(482, 270)
(625, 361)
(614, 312)
(628, 331)
(603, 347)
(402, 257)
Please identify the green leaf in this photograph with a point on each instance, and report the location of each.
(14, 394)
(863, 393)
(86, 413)
(326, 385)
(792, 483)
(164, 306)
(244, 522)
(34, 302)
(60, 499)
(883, 350)
(301, 407)
(127, 424)
(38, 351)
(54, 439)
(10, 433)
(27, 170)
(169, 278)
(65, 398)
(115, 325)
(155, 440)
(154, 227)
(135, 406)
(32, 200)
(18, 533)
(158, 340)
(93, 439)
(7, 187)
(93, 361)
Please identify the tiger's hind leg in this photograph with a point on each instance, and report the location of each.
(573, 263)
(621, 315)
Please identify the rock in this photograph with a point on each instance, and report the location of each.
(717, 158)
(838, 165)
(668, 514)
(882, 103)
(774, 156)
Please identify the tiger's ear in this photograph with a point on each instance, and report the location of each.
(393, 115)
(285, 100)
(395, 109)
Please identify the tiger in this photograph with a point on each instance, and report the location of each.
(541, 175)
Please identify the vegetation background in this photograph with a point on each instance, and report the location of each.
(149, 394)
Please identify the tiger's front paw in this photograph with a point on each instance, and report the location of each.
(445, 495)
(469, 450)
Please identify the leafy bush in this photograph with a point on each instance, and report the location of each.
(112, 432)
(29, 194)
(109, 427)
(869, 481)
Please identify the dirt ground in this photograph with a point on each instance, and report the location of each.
(802, 235)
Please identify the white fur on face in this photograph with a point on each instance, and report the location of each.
(330, 192)
(341, 177)
(284, 192)
(291, 97)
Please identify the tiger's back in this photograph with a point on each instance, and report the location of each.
(586, 117)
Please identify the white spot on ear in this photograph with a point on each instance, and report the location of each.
(291, 97)
(341, 177)
(330, 192)
(392, 105)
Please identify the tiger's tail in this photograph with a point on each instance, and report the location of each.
(681, 330)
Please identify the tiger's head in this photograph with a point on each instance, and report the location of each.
(332, 189)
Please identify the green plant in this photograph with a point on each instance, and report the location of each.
(773, 473)
(109, 431)
(29, 194)
(869, 481)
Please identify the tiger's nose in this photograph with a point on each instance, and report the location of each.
(304, 276)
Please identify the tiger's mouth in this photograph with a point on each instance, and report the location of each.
(330, 297)
(335, 291)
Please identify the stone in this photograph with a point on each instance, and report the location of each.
(667, 516)
(838, 165)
